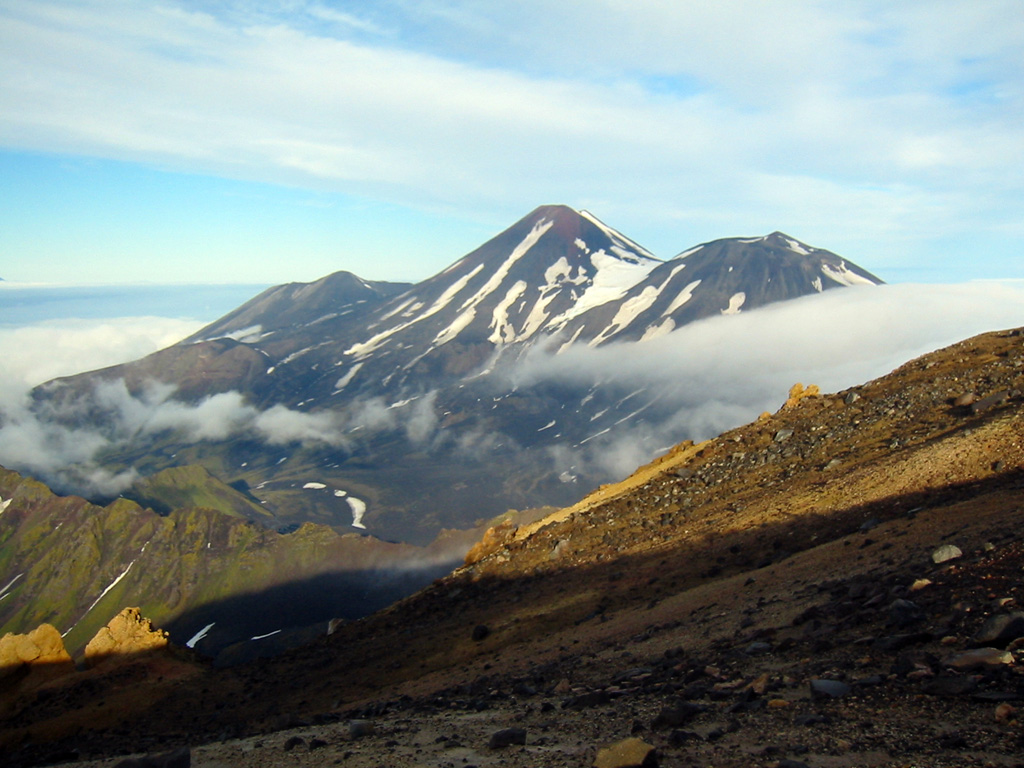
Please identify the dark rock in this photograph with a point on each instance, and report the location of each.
(179, 758)
(587, 700)
(678, 738)
(990, 401)
(507, 737)
(787, 763)
(293, 742)
(904, 613)
(676, 715)
(1000, 630)
(480, 631)
(829, 689)
(949, 685)
(357, 729)
(812, 718)
(317, 744)
(894, 643)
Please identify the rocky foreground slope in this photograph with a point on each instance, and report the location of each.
(835, 584)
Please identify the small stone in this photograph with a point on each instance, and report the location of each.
(480, 631)
(676, 715)
(980, 658)
(358, 729)
(628, 753)
(1005, 713)
(507, 737)
(945, 553)
(920, 584)
(778, 704)
(851, 398)
(829, 689)
(903, 613)
(783, 435)
(293, 742)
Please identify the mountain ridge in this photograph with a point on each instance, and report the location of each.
(340, 380)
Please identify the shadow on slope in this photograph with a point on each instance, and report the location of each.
(264, 623)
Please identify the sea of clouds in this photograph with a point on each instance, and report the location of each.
(709, 376)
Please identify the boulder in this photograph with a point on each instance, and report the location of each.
(945, 553)
(41, 647)
(128, 633)
(1000, 630)
(507, 737)
(980, 658)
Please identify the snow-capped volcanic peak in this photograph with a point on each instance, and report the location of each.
(549, 267)
(624, 247)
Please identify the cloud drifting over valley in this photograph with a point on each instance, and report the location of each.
(719, 373)
(710, 376)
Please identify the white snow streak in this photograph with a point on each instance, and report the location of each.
(502, 331)
(199, 636)
(5, 504)
(314, 486)
(684, 296)
(844, 276)
(358, 507)
(364, 348)
(269, 634)
(797, 247)
(8, 585)
(113, 584)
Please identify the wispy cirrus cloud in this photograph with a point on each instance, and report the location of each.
(668, 118)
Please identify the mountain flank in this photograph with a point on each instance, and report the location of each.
(834, 584)
(403, 397)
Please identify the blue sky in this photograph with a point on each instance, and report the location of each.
(258, 142)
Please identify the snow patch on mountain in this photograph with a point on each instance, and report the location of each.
(613, 277)
(191, 642)
(8, 585)
(797, 247)
(628, 312)
(844, 275)
(358, 507)
(502, 331)
(684, 296)
(624, 247)
(735, 302)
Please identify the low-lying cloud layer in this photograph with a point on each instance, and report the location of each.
(716, 374)
(706, 377)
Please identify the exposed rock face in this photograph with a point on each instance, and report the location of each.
(127, 633)
(41, 646)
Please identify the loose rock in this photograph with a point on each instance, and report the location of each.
(628, 753)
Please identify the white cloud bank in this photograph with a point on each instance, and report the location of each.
(710, 376)
(722, 372)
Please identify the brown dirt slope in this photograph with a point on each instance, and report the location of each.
(768, 598)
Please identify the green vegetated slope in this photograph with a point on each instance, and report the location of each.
(74, 564)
